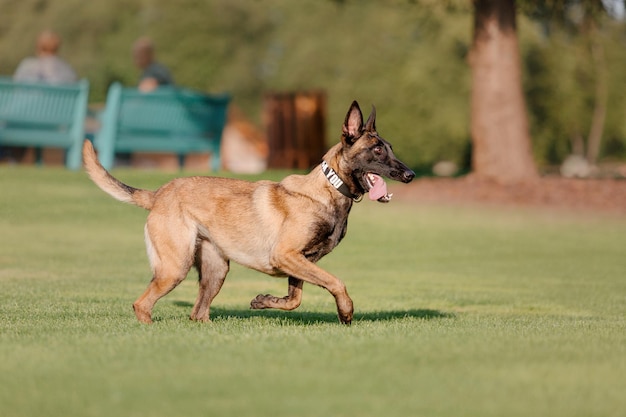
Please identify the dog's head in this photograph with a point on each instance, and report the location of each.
(370, 157)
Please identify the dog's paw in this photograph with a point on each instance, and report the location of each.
(345, 318)
(345, 310)
(144, 316)
(260, 302)
(204, 319)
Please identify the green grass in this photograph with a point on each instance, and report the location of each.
(459, 312)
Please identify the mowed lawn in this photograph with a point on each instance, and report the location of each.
(458, 312)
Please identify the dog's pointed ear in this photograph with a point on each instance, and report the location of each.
(353, 125)
(370, 125)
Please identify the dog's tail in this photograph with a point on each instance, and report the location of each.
(111, 185)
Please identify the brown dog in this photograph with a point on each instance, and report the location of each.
(280, 229)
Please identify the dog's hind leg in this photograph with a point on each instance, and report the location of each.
(289, 302)
(212, 270)
(171, 257)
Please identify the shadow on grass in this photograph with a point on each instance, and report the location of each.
(308, 317)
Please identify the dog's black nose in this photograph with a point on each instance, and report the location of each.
(407, 176)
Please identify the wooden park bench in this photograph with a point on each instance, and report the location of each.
(44, 116)
(169, 119)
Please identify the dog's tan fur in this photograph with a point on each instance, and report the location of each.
(280, 229)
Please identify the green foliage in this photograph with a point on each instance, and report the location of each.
(563, 76)
(409, 58)
(458, 312)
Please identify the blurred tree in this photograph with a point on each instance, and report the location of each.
(581, 22)
(499, 124)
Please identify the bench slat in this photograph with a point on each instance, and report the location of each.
(175, 120)
(44, 115)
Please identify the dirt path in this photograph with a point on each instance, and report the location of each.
(604, 195)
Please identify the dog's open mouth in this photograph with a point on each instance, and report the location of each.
(377, 188)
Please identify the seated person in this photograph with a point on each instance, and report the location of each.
(47, 66)
(153, 73)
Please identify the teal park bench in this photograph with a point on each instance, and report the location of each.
(169, 119)
(44, 116)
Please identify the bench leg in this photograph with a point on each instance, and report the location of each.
(106, 154)
(38, 156)
(73, 157)
(216, 162)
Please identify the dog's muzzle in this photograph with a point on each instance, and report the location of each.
(407, 176)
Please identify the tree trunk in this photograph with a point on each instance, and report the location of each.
(499, 125)
(601, 97)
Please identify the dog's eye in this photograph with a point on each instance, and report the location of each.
(378, 150)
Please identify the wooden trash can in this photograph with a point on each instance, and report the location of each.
(296, 128)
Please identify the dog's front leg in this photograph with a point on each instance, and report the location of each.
(295, 264)
(291, 301)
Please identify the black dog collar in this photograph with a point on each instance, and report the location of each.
(337, 182)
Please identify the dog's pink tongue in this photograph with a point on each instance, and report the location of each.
(379, 189)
